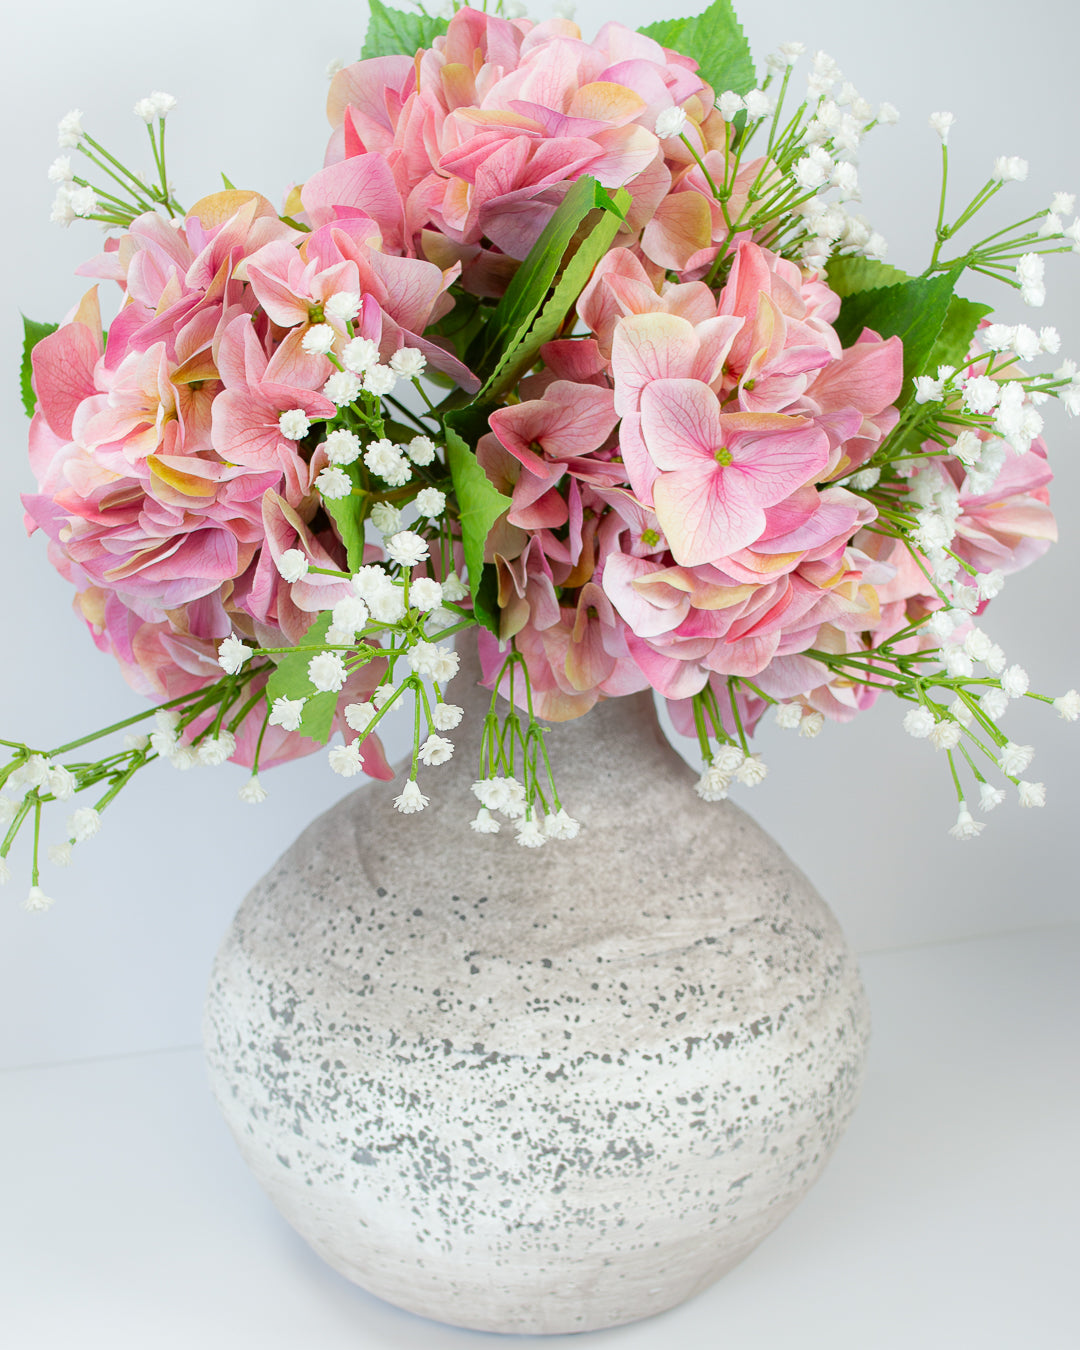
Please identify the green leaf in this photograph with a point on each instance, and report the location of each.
(290, 680)
(229, 186)
(33, 332)
(533, 280)
(392, 33)
(480, 504)
(913, 311)
(848, 275)
(346, 515)
(717, 43)
(520, 356)
(954, 340)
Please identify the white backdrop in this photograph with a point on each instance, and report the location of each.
(120, 962)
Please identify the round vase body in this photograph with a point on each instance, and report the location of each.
(537, 1090)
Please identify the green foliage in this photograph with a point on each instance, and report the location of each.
(290, 680)
(33, 332)
(494, 355)
(716, 41)
(346, 515)
(954, 340)
(393, 33)
(913, 310)
(480, 504)
(848, 275)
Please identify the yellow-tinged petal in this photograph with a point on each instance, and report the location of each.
(188, 484)
(603, 101)
(219, 207)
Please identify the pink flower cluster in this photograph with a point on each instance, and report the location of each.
(675, 474)
(472, 143)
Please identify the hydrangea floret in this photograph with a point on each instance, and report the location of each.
(577, 352)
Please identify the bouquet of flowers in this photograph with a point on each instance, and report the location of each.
(574, 349)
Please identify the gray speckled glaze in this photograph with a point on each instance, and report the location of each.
(537, 1090)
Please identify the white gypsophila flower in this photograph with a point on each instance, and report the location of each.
(815, 253)
(217, 749)
(383, 457)
(1015, 681)
(425, 594)
(360, 716)
(436, 750)
(713, 785)
(350, 614)
(453, 588)
(959, 664)
(160, 105)
(945, 735)
(1010, 169)
(1014, 759)
(888, 115)
(809, 173)
(319, 339)
(845, 178)
(388, 606)
(1063, 203)
(342, 388)
(60, 854)
(876, 246)
(966, 598)
(421, 450)
(1051, 226)
(37, 901)
(996, 337)
(380, 380)
(960, 712)
(167, 720)
(994, 703)
(1031, 794)
(978, 644)
(941, 622)
(727, 759)
(439, 620)
(1067, 706)
(966, 827)
(446, 716)
(326, 671)
(163, 743)
(333, 483)
(431, 502)
(849, 134)
(232, 654)
(69, 130)
(60, 782)
(967, 447)
(989, 797)
(342, 446)
(864, 479)
(382, 696)
(670, 122)
(788, 715)
(485, 822)
(386, 517)
(346, 760)
(812, 723)
(339, 637)
(501, 794)
(927, 389)
(343, 306)
(752, 771)
(529, 833)
(942, 123)
(253, 791)
(61, 213)
(294, 424)
(791, 51)
(919, 722)
(408, 362)
(333, 66)
(293, 565)
(411, 799)
(407, 548)
(758, 103)
(83, 824)
(1049, 341)
(287, 713)
(981, 394)
(561, 826)
(83, 201)
(60, 170)
(360, 355)
(183, 757)
(730, 104)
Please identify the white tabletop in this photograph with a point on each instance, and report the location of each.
(946, 1220)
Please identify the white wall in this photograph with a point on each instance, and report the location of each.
(119, 963)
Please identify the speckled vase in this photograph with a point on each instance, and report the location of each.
(537, 1090)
